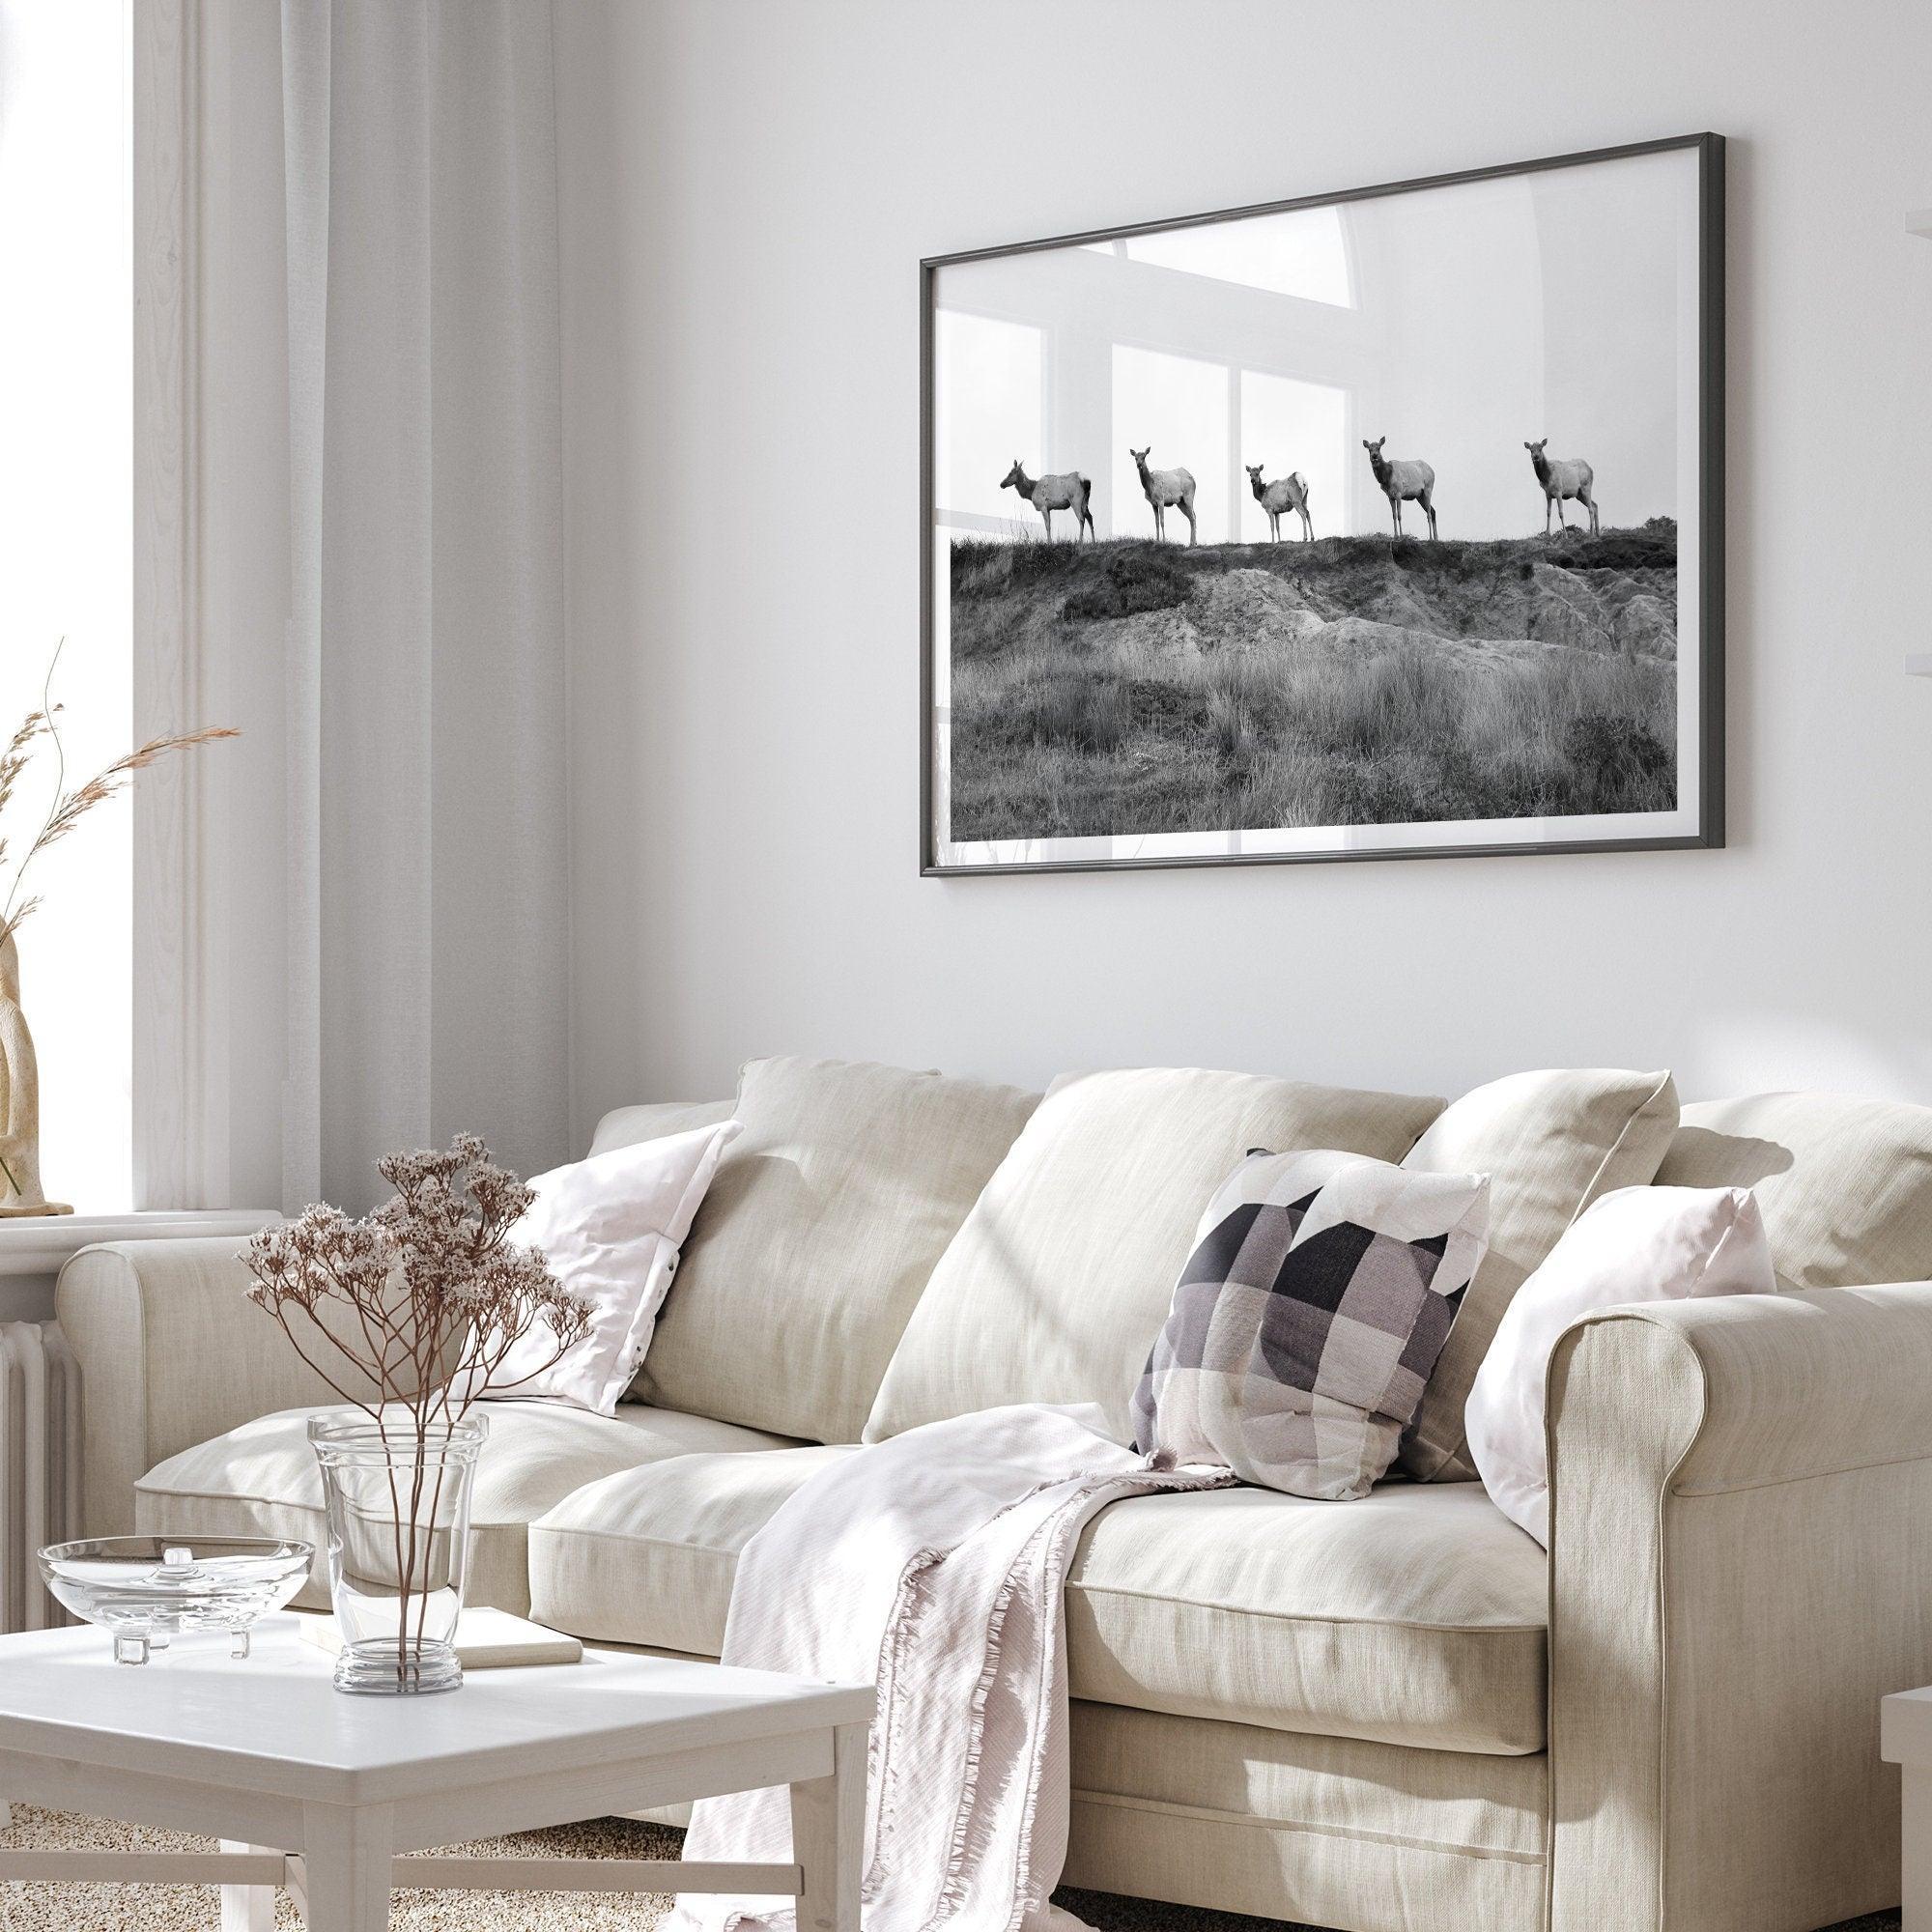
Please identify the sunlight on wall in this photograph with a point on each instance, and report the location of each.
(1302, 252)
(1180, 406)
(1238, 342)
(999, 365)
(65, 556)
(1287, 426)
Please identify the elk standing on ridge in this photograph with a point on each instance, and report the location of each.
(1166, 490)
(1561, 478)
(1288, 493)
(1403, 482)
(1068, 490)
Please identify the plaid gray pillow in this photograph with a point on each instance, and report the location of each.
(1305, 1323)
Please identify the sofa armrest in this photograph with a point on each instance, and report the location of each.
(1740, 1566)
(171, 1353)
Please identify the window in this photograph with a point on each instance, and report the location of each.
(1177, 407)
(1287, 425)
(66, 545)
(1301, 253)
(1001, 366)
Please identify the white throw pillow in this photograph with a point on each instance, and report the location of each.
(611, 1227)
(1638, 1245)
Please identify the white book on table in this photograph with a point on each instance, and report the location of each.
(485, 1639)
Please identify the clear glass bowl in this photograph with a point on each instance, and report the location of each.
(145, 1590)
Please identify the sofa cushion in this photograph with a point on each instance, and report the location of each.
(1845, 1184)
(816, 1238)
(1060, 1280)
(262, 1480)
(1551, 1143)
(1414, 1616)
(624, 1561)
(626, 1126)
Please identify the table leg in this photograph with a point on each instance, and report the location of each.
(246, 1908)
(828, 1831)
(346, 1853)
(1915, 1847)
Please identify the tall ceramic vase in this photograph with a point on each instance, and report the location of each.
(397, 1496)
(19, 1100)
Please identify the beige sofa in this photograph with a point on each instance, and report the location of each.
(1396, 1715)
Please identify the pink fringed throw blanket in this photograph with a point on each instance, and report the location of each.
(933, 1563)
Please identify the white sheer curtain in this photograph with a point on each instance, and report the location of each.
(427, 920)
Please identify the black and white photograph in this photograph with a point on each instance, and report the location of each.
(1376, 525)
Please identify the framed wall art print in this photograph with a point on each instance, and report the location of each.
(1375, 525)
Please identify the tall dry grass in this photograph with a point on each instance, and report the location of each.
(1057, 735)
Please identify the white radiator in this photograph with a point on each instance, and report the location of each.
(39, 1466)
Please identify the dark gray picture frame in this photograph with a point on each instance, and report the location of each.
(1706, 803)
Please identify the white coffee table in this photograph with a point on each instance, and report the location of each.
(319, 1792)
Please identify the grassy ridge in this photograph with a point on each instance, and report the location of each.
(1129, 687)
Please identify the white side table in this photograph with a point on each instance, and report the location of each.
(318, 1792)
(1905, 1739)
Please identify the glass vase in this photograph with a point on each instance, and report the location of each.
(397, 1496)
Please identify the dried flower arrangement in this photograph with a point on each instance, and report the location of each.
(425, 1296)
(437, 1290)
(69, 806)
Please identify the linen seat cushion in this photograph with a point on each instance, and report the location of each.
(262, 1479)
(1845, 1184)
(629, 1561)
(1414, 1616)
(818, 1236)
(1058, 1283)
(1551, 1143)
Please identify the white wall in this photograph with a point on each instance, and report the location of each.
(747, 186)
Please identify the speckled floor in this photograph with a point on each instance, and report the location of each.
(112, 1908)
(194, 1908)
